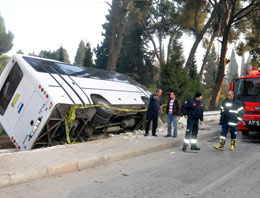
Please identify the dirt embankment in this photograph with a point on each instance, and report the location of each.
(5, 142)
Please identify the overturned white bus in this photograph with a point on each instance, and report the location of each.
(41, 98)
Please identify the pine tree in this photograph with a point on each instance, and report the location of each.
(79, 58)
(6, 39)
(211, 69)
(247, 66)
(101, 50)
(48, 54)
(20, 52)
(63, 55)
(193, 72)
(88, 57)
(173, 76)
(232, 67)
(135, 58)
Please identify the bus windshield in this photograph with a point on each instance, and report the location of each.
(249, 90)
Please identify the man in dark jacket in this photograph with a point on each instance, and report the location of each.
(193, 112)
(173, 109)
(154, 106)
(231, 115)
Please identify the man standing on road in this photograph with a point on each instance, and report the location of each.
(154, 106)
(193, 112)
(173, 109)
(231, 115)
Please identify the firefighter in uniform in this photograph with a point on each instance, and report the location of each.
(193, 112)
(231, 115)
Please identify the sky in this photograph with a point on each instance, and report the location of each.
(48, 24)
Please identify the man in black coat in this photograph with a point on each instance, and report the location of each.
(155, 105)
(232, 113)
(193, 112)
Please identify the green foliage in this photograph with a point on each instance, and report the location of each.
(152, 89)
(163, 14)
(191, 10)
(193, 86)
(3, 61)
(223, 94)
(32, 54)
(6, 39)
(135, 59)
(88, 57)
(102, 50)
(63, 55)
(101, 55)
(80, 54)
(48, 54)
(20, 52)
(232, 67)
(60, 55)
(251, 43)
(193, 72)
(211, 70)
(173, 76)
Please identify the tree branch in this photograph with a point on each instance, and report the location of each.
(151, 38)
(241, 21)
(246, 14)
(211, 3)
(245, 8)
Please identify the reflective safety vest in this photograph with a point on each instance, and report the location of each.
(232, 112)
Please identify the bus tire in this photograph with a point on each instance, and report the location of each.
(97, 119)
(102, 111)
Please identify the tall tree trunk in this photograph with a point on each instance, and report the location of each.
(220, 74)
(199, 37)
(204, 63)
(117, 27)
(223, 60)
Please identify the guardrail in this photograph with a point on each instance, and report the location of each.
(208, 116)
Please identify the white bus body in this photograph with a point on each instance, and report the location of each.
(36, 94)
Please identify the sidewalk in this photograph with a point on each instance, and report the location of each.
(23, 166)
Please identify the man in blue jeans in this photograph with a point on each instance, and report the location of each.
(173, 109)
(155, 105)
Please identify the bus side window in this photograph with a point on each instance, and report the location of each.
(10, 85)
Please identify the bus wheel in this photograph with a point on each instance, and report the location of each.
(245, 133)
(102, 111)
(100, 119)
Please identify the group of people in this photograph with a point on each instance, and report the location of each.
(192, 110)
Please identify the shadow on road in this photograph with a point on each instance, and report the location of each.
(253, 137)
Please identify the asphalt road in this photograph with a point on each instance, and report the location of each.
(207, 173)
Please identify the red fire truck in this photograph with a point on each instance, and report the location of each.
(247, 91)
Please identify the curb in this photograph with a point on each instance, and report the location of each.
(16, 178)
